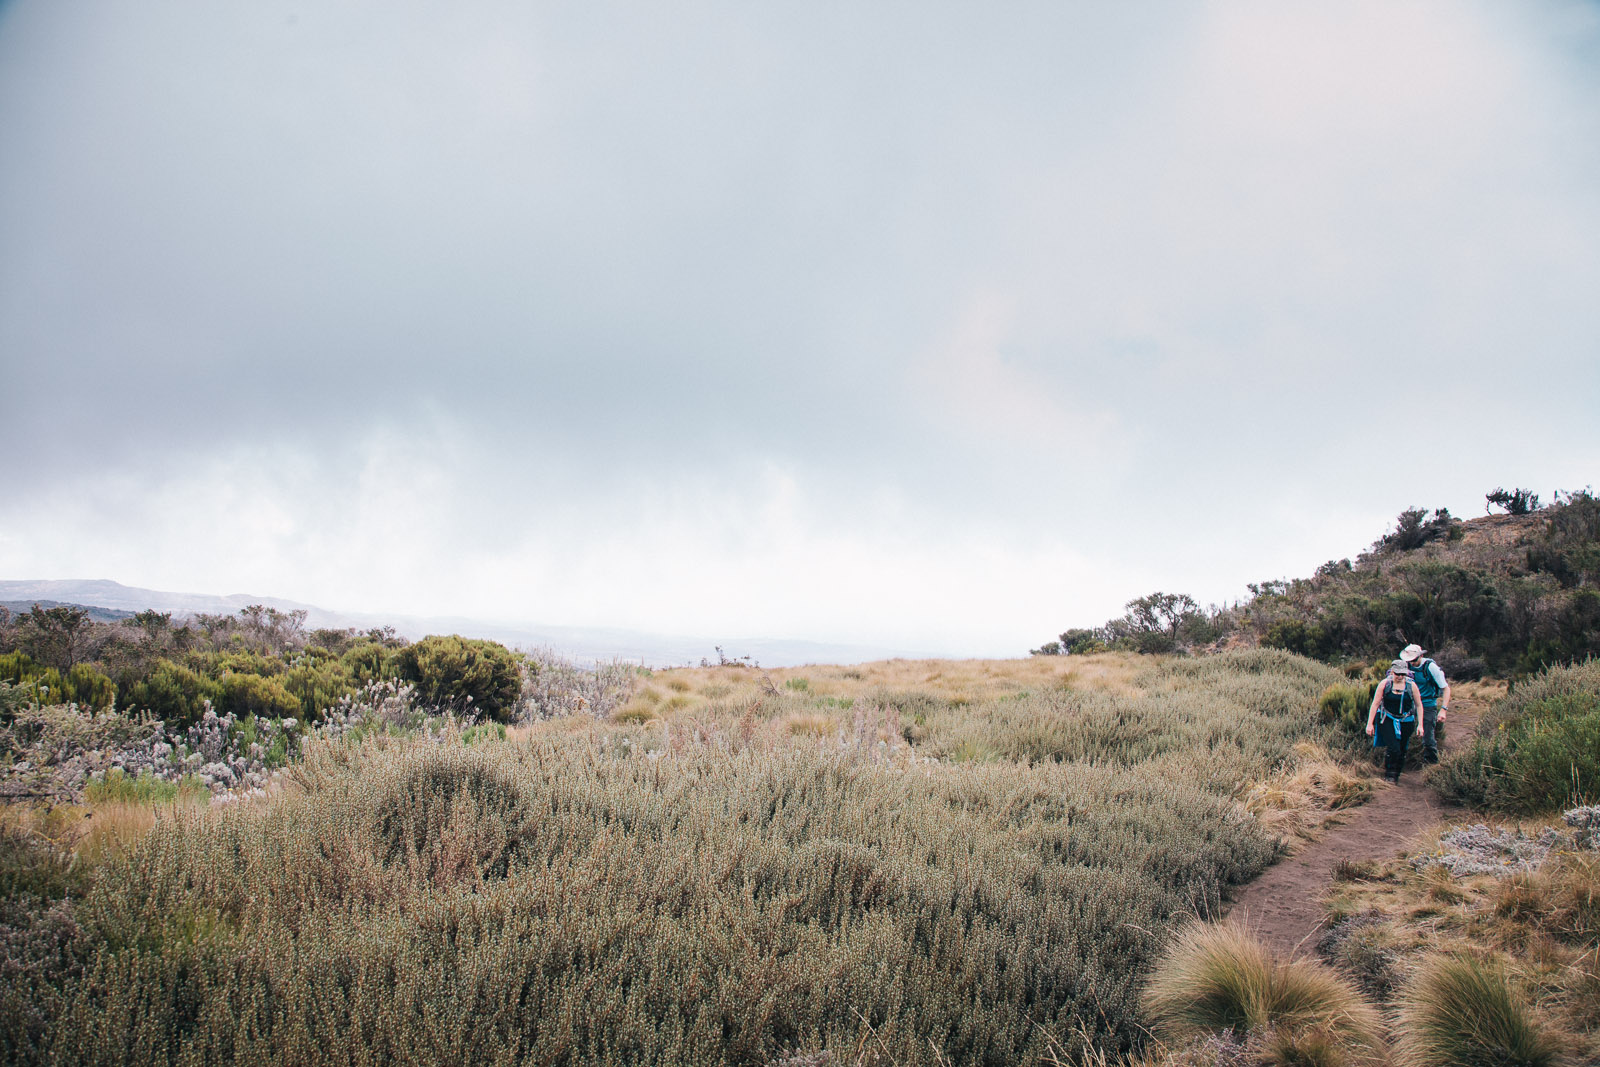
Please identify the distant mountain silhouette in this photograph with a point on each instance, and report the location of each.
(587, 644)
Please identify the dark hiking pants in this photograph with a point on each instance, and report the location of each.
(1430, 734)
(1394, 747)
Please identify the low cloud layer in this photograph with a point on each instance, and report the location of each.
(916, 325)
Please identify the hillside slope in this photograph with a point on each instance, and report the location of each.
(1507, 594)
(1502, 594)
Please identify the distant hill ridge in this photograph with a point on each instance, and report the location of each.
(98, 614)
(591, 644)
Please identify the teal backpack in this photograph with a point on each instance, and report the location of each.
(1425, 684)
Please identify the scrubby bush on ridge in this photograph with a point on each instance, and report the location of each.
(1482, 601)
(257, 662)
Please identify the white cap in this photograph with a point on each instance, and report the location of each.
(1411, 652)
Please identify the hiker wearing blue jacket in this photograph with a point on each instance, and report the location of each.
(1435, 697)
(1400, 703)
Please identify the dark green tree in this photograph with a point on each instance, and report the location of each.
(1516, 502)
(55, 636)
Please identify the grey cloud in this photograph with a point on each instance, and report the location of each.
(603, 247)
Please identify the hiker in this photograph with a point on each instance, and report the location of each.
(1435, 697)
(1397, 695)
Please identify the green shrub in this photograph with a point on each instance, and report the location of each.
(236, 661)
(14, 666)
(1462, 1012)
(463, 674)
(1295, 635)
(171, 692)
(1537, 750)
(369, 662)
(1345, 705)
(81, 684)
(250, 694)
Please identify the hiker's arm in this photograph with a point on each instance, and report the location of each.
(1444, 699)
(1372, 712)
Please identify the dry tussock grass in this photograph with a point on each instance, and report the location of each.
(1539, 930)
(1309, 793)
(1219, 979)
(94, 832)
(1463, 1010)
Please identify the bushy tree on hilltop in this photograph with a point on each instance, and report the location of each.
(1515, 502)
(1157, 622)
(1413, 529)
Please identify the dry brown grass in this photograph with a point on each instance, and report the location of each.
(93, 832)
(967, 680)
(1542, 928)
(1308, 794)
(1219, 979)
(810, 724)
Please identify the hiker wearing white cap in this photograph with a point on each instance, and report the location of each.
(1435, 697)
(1400, 702)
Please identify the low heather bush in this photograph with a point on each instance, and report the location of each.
(553, 686)
(551, 903)
(41, 945)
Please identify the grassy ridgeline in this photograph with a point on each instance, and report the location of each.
(566, 898)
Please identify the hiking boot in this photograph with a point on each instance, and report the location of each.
(1430, 755)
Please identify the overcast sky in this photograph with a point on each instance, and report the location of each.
(933, 326)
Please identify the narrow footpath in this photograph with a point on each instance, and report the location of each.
(1284, 908)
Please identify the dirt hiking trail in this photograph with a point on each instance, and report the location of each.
(1283, 907)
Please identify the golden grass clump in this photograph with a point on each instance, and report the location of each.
(1308, 794)
(812, 724)
(1460, 1011)
(1219, 978)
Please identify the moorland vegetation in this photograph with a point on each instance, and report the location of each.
(784, 864)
